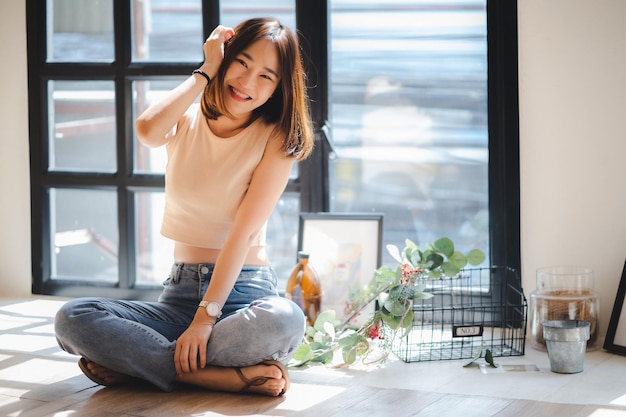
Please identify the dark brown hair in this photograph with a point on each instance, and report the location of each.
(288, 108)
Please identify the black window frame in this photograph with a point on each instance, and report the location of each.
(312, 20)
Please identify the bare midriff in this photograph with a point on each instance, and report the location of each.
(188, 254)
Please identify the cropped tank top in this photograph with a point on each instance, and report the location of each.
(206, 179)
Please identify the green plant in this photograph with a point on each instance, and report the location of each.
(395, 289)
(484, 353)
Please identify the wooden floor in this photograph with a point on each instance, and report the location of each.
(38, 380)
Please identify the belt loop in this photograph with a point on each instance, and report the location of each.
(176, 277)
(202, 270)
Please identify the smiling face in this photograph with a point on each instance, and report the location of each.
(251, 78)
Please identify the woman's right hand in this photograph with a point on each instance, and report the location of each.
(191, 347)
(214, 49)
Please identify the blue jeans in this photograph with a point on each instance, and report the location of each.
(138, 338)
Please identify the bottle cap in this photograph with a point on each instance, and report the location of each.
(303, 255)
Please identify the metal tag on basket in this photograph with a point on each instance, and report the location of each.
(467, 331)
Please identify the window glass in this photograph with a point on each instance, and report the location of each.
(80, 31)
(82, 124)
(154, 252)
(150, 160)
(84, 233)
(282, 236)
(409, 117)
(167, 30)
(232, 12)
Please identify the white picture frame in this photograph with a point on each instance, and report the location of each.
(344, 250)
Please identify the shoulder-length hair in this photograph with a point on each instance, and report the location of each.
(288, 108)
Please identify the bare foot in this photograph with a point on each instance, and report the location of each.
(265, 378)
(102, 375)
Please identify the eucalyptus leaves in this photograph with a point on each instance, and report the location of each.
(395, 289)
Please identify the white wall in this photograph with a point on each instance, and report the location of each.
(573, 145)
(572, 139)
(15, 260)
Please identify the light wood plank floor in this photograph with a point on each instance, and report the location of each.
(37, 379)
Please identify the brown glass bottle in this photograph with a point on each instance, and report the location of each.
(304, 289)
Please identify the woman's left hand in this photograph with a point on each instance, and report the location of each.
(191, 347)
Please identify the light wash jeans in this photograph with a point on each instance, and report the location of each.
(138, 338)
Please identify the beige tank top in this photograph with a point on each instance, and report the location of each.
(207, 177)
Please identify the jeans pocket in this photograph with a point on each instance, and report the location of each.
(182, 290)
(248, 290)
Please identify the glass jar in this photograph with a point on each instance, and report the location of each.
(564, 293)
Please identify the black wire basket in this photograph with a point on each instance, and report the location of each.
(481, 308)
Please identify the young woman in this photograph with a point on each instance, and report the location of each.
(219, 323)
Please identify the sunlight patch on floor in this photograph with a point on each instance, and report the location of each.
(10, 322)
(44, 329)
(33, 308)
(6, 401)
(26, 343)
(619, 400)
(29, 372)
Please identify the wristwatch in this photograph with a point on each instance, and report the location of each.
(212, 308)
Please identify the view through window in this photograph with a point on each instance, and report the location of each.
(409, 118)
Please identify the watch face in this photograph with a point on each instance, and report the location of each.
(213, 309)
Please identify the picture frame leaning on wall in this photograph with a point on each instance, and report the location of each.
(344, 249)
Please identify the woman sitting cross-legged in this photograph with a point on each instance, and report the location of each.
(219, 322)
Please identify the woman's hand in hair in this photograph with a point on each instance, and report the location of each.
(214, 49)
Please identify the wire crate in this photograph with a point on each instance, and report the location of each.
(482, 308)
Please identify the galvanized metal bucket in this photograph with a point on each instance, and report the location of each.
(566, 341)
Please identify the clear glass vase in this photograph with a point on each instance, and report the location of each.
(564, 293)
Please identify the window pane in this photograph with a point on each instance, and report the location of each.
(154, 253)
(409, 117)
(82, 124)
(150, 160)
(282, 237)
(80, 31)
(167, 30)
(232, 12)
(84, 231)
